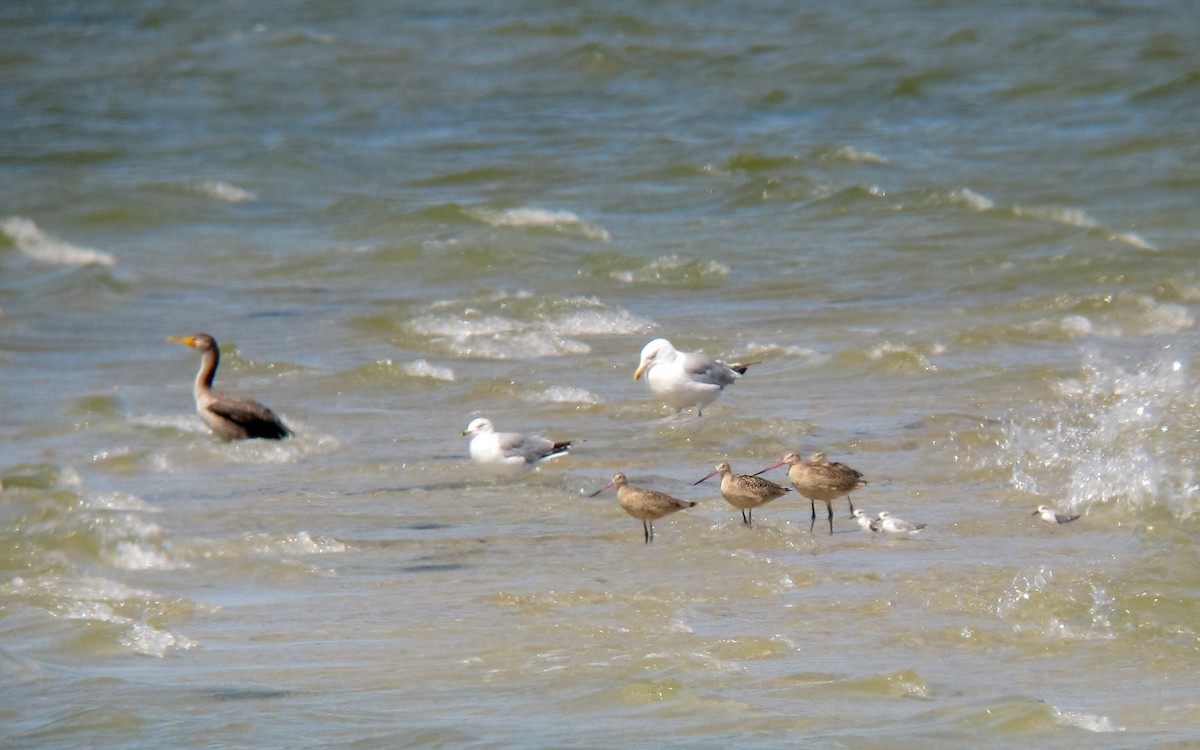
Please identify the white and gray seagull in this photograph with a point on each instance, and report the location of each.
(889, 524)
(509, 452)
(1053, 516)
(683, 379)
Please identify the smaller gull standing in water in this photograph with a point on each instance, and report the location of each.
(508, 452)
(1053, 516)
(888, 523)
(645, 505)
(683, 379)
(820, 479)
(745, 492)
(864, 521)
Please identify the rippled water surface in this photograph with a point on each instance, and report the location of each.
(957, 239)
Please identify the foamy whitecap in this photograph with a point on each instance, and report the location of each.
(672, 268)
(423, 369)
(561, 221)
(900, 355)
(1133, 240)
(1077, 325)
(558, 394)
(102, 600)
(36, 244)
(1166, 318)
(850, 153)
(127, 555)
(521, 326)
(1025, 585)
(301, 543)
(116, 501)
(600, 322)
(1120, 316)
(1112, 436)
(972, 199)
(224, 191)
(1072, 217)
(807, 354)
(184, 421)
(1089, 722)
(152, 640)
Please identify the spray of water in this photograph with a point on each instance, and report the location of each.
(1115, 436)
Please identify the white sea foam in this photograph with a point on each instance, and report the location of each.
(127, 555)
(600, 322)
(561, 221)
(36, 244)
(300, 543)
(224, 191)
(559, 394)
(850, 153)
(972, 199)
(152, 640)
(1090, 722)
(105, 601)
(1072, 217)
(1114, 436)
(423, 369)
(672, 268)
(520, 326)
(1130, 314)
(1077, 217)
(807, 354)
(116, 501)
(900, 355)
(1133, 240)
(1036, 603)
(1077, 325)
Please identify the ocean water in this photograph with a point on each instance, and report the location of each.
(959, 239)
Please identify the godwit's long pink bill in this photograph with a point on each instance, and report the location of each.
(645, 505)
(743, 491)
(820, 479)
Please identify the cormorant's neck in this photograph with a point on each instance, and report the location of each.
(208, 370)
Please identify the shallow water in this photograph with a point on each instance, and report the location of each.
(959, 240)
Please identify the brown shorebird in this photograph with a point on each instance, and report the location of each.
(646, 505)
(229, 417)
(1052, 515)
(820, 479)
(745, 492)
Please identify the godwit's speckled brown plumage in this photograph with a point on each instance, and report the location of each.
(645, 505)
(745, 492)
(820, 479)
(229, 417)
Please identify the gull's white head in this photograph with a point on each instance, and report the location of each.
(479, 426)
(658, 350)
